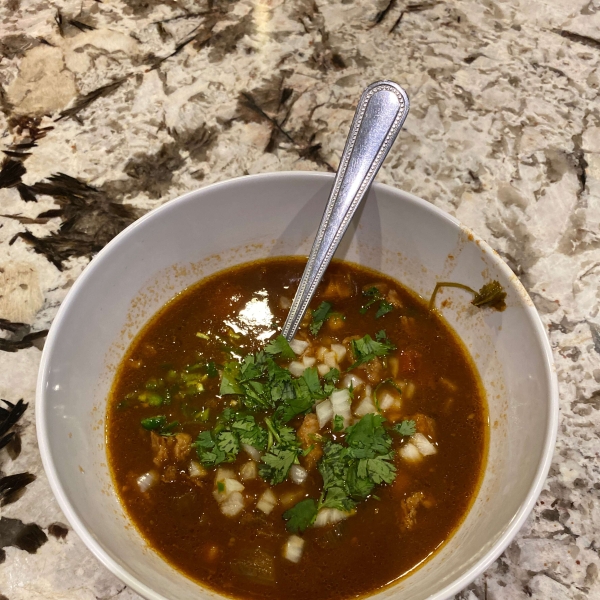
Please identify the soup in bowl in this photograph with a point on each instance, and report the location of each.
(149, 414)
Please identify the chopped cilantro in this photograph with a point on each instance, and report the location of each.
(301, 516)
(351, 472)
(366, 349)
(338, 423)
(374, 296)
(280, 346)
(319, 316)
(490, 294)
(220, 487)
(222, 444)
(384, 308)
(249, 432)
(405, 428)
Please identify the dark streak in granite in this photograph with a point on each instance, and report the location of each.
(91, 217)
(16, 342)
(11, 172)
(595, 329)
(58, 530)
(85, 101)
(25, 536)
(580, 39)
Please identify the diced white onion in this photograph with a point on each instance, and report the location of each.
(248, 471)
(324, 412)
(352, 380)
(296, 368)
(230, 485)
(233, 505)
(252, 452)
(195, 469)
(409, 390)
(298, 474)
(339, 350)
(233, 485)
(320, 353)
(147, 480)
(340, 401)
(323, 369)
(410, 453)
(298, 346)
(222, 474)
(267, 502)
(309, 361)
(285, 302)
(329, 516)
(293, 548)
(425, 447)
(386, 401)
(365, 407)
(330, 359)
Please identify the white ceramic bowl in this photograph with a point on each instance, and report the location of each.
(278, 214)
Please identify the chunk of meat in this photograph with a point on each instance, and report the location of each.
(182, 446)
(170, 449)
(339, 286)
(424, 425)
(373, 370)
(408, 509)
(160, 449)
(393, 298)
(308, 435)
(407, 362)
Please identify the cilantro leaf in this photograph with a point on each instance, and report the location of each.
(374, 294)
(405, 428)
(338, 423)
(249, 432)
(229, 379)
(319, 316)
(491, 294)
(276, 464)
(384, 308)
(280, 346)
(209, 453)
(301, 516)
(366, 349)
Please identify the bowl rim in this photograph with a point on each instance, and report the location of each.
(133, 582)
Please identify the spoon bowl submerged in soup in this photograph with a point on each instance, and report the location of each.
(325, 468)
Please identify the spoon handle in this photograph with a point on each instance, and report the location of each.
(377, 121)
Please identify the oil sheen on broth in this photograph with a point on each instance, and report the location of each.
(296, 473)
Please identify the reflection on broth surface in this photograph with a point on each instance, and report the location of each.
(325, 468)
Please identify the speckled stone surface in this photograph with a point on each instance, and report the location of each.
(110, 108)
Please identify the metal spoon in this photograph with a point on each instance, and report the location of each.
(379, 116)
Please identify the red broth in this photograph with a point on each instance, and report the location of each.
(208, 521)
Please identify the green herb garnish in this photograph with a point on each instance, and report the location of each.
(491, 294)
(301, 516)
(319, 316)
(375, 296)
(405, 428)
(366, 348)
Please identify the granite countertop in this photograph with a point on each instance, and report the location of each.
(109, 108)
